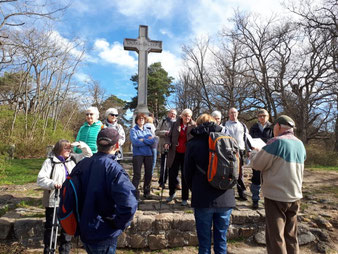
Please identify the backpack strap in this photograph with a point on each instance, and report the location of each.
(53, 167)
(245, 138)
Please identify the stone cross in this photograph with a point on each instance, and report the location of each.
(142, 45)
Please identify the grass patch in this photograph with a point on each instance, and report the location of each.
(30, 202)
(3, 210)
(324, 168)
(21, 171)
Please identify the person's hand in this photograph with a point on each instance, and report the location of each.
(150, 137)
(141, 139)
(57, 186)
(166, 133)
(166, 146)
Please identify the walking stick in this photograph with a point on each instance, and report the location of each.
(55, 225)
(164, 176)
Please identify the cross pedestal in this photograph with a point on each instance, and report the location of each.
(142, 45)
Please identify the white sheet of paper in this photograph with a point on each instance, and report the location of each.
(256, 142)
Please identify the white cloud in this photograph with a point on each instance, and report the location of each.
(114, 53)
(146, 8)
(82, 77)
(66, 44)
(219, 11)
(170, 62)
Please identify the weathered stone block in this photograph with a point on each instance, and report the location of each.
(247, 231)
(176, 238)
(163, 221)
(233, 232)
(29, 231)
(5, 227)
(306, 238)
(137, 241)
(122, 240)
(191, 238)
(185, 222)
(145, 222)
(157, 242)
(260, 237)
(245, 216)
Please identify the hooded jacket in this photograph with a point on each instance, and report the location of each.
(197, 154)
(108, 199)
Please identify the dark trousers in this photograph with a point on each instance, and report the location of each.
(178, 164)
(240, 181)
(137, 165)
(64, 240)
(281, 226)
(164, 170)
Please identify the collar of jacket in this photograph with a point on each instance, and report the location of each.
(94, 124)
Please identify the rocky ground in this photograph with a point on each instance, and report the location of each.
(318, 209)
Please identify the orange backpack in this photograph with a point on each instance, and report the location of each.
(224, 161)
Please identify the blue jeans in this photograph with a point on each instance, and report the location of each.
(154, 159)
(220, 219)
(98, 248)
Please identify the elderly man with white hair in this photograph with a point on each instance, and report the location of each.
(90, 129)
(281, 163)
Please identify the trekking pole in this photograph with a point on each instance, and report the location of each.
(164, 176)
(55, 225)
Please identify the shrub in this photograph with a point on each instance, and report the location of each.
(318, 155)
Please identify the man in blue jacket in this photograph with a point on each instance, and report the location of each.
(108, 197)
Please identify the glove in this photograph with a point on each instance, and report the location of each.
(86, 151)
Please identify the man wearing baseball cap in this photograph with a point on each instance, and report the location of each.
(109, 201)
(281, 163)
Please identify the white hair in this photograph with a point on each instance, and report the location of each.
(95, 111)
(111, 111)
(286, 127)
(173, 110)
(216, 113)
(186, 111)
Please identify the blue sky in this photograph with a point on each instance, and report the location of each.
(103, 24)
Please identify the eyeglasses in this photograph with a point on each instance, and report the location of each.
(89, 114)
(116, 115)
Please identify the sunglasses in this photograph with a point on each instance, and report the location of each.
(114, 115)
(89, 114)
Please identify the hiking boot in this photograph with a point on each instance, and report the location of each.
(255, 205)
(171, 198)
(184, 203)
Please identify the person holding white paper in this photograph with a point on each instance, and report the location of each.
(263, 130)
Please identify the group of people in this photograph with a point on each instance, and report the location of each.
(183, 147)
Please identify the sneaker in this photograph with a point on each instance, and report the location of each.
(255, 205)
(184, 203)
(170, 198)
